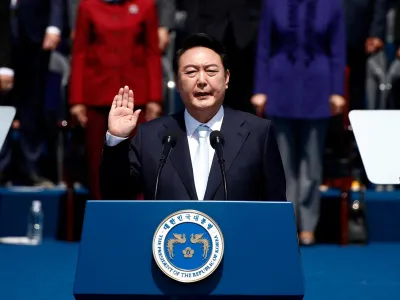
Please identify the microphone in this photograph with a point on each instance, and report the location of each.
(169, 142)
(217, 141)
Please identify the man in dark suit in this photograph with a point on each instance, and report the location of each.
(36, 30)
(6, 73)
(235, 24)
(366, 29)
(365, 33)
(254, 168)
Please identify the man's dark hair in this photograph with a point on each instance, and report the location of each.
(201, 40)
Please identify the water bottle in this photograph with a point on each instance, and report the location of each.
(35, 223)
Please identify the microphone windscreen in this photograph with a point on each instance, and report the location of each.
(170, 139)
(216, 137)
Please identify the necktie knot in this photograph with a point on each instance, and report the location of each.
(203, 130)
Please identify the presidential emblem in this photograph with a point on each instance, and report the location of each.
(188, 246)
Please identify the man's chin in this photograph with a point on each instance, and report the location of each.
(204, 103)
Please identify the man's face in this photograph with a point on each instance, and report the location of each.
(202, 80)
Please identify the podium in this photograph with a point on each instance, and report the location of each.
(189, 250)
(376, 132)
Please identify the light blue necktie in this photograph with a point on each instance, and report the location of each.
(201, 161)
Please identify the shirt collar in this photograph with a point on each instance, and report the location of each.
(215, 123)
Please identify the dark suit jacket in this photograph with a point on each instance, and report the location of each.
(72, 9)
(395, 4)
(5, 42)
(365, 18)
(36, 15)
(166, 13)
(253, 163)
(214, 16)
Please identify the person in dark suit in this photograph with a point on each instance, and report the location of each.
(235, 24)
(254, 168)
(36, 29)
(365, 36)
(6, 73)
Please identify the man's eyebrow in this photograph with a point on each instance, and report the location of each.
(197, 66)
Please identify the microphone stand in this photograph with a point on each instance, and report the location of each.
(169, 143)
(160, 167)
(217, 142)
(222, 167)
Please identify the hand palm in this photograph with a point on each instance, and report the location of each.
(122, 119)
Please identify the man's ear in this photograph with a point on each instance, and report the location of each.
(227, 76)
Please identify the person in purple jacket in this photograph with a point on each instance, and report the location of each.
(299, 83)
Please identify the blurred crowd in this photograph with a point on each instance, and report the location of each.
(301, 63)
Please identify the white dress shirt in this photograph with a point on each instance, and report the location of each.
(191, 125)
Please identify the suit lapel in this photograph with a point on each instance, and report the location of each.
(235, 135)
(180, 155)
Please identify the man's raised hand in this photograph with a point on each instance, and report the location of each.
(122, 118)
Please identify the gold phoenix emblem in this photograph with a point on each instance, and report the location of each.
(188, 252)
(197, 239)
(179, 239)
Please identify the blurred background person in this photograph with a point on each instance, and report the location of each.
(6, 73)
(396, 57)
(166, 10)
(36, 27)
(116, 44)
(299, 82)
(396, 26)
(72, 6)
(235, 24)
(365, 35)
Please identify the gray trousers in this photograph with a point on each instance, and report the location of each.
(380, 79)
(302, 143)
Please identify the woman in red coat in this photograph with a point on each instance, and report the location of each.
(116, 44)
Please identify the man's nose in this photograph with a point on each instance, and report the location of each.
(202, 82)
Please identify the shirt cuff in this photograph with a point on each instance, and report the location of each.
(53, 30)
(112, 140)
(6, 72)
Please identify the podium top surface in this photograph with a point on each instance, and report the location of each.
(376, 134)
(118, 255)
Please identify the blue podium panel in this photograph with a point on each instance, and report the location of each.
(261, 256)
(16, 202)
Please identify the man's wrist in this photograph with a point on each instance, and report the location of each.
(112, 140)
